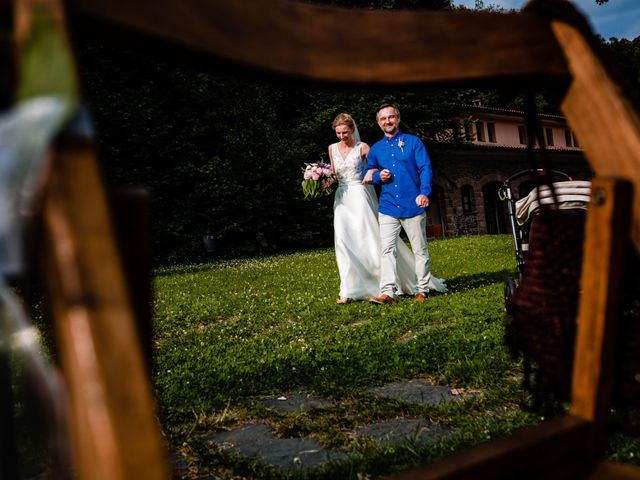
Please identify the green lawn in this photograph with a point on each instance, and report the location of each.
(231, 332)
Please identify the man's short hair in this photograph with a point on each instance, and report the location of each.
(387, 105)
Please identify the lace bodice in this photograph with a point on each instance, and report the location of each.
(347, 168)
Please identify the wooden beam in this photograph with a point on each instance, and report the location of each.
(606, 244)
(131, 207)
(552, 450)
(115, 432)
(354, 46)
(615, 471)
(606, 124)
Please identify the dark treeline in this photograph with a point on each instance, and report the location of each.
(221, 152)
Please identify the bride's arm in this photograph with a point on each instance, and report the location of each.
(331, 161)
(368, 177)
(331, 180)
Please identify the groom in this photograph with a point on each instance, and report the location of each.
(404, 173)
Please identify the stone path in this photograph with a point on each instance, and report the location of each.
(296, 403)
(258, 441)
(415, 391)
(404, 430)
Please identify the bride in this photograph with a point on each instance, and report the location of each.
(355, 222)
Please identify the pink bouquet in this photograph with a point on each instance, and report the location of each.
(317, 180)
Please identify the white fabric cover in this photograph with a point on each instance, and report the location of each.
(569, 194)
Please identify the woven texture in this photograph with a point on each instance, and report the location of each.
(543, 308)
(543, 311)
(626, 390)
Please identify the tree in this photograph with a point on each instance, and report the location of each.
(224, 154)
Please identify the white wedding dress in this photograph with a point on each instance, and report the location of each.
(357, 235)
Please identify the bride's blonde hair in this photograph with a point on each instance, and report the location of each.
(344, 119)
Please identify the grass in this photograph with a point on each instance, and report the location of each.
(229, 333)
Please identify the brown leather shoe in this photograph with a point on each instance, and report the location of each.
(421, 297)
(382, 299)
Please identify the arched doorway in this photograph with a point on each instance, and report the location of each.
(435, 214)
(494, 210)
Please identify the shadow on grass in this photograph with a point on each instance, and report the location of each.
(469, 282)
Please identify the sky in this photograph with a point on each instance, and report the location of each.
(616, 18)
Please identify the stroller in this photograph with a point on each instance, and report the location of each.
(569, 194)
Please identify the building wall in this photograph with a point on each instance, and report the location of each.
(480, 161)
(506, 125)
(476, 167)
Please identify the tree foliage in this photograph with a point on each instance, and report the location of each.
(223, 154)
(626, 55)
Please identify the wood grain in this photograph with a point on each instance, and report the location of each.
(115, 432)
(551, 450)
(354, 46)
(606, 244)
(615, 471)
(606, 123)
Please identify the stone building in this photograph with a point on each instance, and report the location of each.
(468, 174)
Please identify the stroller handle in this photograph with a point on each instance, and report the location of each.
(522, 173)
(505, 195)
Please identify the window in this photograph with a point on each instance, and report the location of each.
(491, 132)
(522, 133)
(480, 131)
(467, 194)
(567, 138)
(468, 133)
(549, 136)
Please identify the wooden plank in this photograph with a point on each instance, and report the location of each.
(115, 432)
(606, 123)
(131, 207)
(552, 450)
(615, 471)
(45, 62)
(355, 46)
(606, 244)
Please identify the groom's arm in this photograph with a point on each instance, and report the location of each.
(372, 168)
(424, 168)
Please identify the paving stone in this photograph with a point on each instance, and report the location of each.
(257, 440)
(179, 466)
(403, 430)
(415, 391)
(296, 403)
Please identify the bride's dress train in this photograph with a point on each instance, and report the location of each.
(357, 235)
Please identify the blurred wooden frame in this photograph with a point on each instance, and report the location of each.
(115, 434)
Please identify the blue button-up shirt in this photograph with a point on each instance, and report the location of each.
(406, 158)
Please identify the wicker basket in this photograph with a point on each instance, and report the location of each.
(543, 311)
(544, 306)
